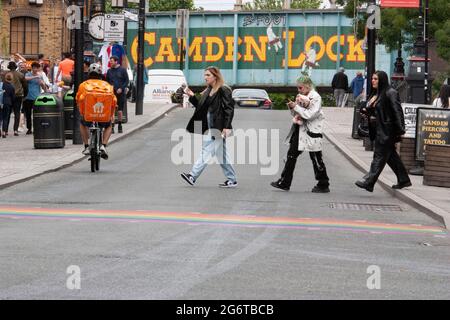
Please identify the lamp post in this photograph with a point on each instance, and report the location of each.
(426, 76)
(370, 55)
(140, 64)
(78, 72)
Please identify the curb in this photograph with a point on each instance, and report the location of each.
(410, 198)
(79, 158)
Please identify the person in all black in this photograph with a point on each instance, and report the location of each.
(9, 96)
(386, 126)
(214, 112)
(340, 87)
(117, 76)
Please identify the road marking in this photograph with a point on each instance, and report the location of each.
(194, 218)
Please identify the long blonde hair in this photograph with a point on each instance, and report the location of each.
(219, 78)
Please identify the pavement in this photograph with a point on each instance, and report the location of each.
(434, 201)
(21, 161)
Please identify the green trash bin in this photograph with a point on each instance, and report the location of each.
(69, 102)
(48, 122)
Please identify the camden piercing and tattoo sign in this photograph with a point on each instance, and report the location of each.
(432, 128)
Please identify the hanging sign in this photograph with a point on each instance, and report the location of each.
(400, 3)
(114, 27)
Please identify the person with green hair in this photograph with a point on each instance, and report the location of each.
(305, 135)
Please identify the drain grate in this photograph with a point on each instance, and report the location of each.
(364, 206)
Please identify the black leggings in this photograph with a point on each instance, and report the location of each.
(320, 171)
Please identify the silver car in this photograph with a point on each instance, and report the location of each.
(254, 98)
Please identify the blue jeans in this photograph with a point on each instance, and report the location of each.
(213, 146)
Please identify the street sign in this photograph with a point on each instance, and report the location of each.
(410, 114)
(114, 27)
(182, 22)
(400, 3)
(432, 128)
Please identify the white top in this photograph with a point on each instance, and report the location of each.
(105, 57)
(437, 103)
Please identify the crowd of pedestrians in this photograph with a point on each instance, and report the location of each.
(24, 81)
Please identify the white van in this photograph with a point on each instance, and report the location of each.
(162, 83)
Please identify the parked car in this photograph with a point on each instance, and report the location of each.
(255, 98)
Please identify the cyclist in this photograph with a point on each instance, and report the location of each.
(95, 82)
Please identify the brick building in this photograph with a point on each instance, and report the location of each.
(31, 27)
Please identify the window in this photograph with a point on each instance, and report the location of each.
(24, 37)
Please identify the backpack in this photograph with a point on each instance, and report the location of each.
(96, 100)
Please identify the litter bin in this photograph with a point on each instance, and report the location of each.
(356, 119)
(48, 122)
(68, 114)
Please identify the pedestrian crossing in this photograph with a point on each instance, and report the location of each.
(254, 221)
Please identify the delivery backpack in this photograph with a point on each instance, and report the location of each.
(96, 100)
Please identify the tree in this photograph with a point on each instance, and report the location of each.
(278, 4)
(400, 25)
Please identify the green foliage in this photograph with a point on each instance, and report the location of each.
(278, 4)
(279, 100)
(443, 41)
(438, 82)
(170, 5)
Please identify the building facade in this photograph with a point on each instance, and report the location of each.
(30, 27)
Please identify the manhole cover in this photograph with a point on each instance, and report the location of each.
(364, 206)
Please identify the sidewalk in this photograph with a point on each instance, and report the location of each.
(20, 161)
(434, 201)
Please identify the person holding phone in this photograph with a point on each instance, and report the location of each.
(305, 135)
(214, 113)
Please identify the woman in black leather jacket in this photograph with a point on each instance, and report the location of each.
(386, 126)
(213, 113)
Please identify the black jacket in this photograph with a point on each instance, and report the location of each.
(221, 103)
(9, 94)
(390, 121)
(340, 81)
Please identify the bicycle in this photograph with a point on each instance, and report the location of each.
(95, 142)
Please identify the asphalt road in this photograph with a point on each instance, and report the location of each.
(158, 238)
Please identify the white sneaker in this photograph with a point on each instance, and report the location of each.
(188, 178)
(228, 184)
(86, 151)
(104, 153)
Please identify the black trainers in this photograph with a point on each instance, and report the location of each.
(228, 184)
(119, 130)
(188, 178)
(279, 185)
(318, 189)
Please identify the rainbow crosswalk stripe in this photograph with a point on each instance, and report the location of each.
(221, 219)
